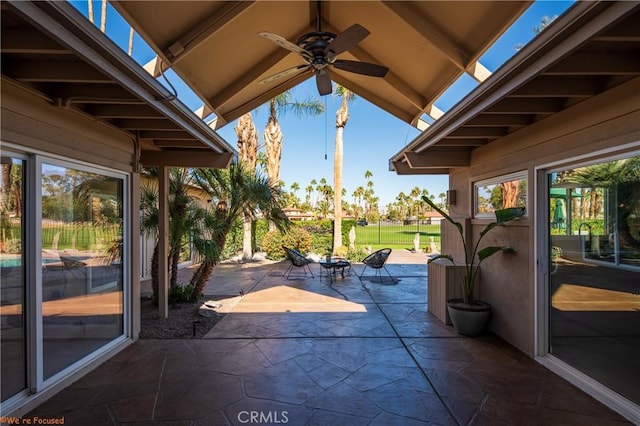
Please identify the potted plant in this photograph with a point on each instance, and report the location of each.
(468, 315)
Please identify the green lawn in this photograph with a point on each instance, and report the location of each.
(396, 236)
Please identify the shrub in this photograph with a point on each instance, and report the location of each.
(260, 229)
(179, 294)
(346, 227)
(12, 246)
(297, 238)
(356, 255)
(321, 233)
(233, 244)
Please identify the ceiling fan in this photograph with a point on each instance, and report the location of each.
(319, 50)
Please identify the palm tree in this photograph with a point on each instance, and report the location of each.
(313, 184)
(358, 194)
(295, 201)
(248, 152)
(103, 16)
(368, 195)
(182, 215)
(235, 192)
(273, 137)
(90, 10)
(342, 117)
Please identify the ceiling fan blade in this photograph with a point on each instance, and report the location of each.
(346, 40)
(284, 43)
(323, 81)
(284, 73)
(364, 68)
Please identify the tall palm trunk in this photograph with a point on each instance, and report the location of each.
(273, 145)
(342, 117)
(204, 271)
(174, 260)
(155, 272)
(248, 151)
(90, 10)
(510, 193)
(103, 16)
(7, 185)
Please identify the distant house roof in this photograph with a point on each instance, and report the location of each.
(432, 215)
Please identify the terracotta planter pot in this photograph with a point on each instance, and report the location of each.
(469, 319)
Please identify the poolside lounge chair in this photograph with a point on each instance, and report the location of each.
(297, 260)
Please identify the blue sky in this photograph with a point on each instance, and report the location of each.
(371, 136)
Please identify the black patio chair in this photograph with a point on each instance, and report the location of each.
(377, 260)
(297, 260)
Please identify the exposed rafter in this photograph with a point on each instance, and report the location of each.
(572, 61)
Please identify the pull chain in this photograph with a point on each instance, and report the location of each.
(325, 127)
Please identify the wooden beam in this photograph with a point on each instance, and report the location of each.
(226, 116)
(427, 30)
(440, 159)
(145, 124)
(559, 87)
(402, 168)
(491, 120)
(385, 104)
(167, 134)
(186, 158)
(201, 31)
(54, 71)
(123, 111)
(445, 142)
(526, 106)
(477, 132)
(248, 78)
(22, 40)
(178, 143)
(87, 92)
(597, 63)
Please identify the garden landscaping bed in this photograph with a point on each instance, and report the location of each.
(183, 322)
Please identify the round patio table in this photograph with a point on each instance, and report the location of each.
(332, 266)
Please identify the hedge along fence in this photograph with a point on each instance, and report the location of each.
(81, 236)
(314, 236)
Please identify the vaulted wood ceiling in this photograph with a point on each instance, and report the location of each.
(216, 48)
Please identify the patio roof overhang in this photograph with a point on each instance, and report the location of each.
(592, 48)
(50, 49)
(215, 47)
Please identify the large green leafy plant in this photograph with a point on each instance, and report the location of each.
(471, 252)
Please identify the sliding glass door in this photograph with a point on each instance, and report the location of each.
(594, 285)
(82, 280)
(13, 355)
(63, 263)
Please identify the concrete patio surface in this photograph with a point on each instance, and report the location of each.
(310, 351)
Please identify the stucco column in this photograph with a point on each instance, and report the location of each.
(163, 241)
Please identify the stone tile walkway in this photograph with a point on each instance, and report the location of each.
(307, 351)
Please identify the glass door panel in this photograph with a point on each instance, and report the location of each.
(82, 288)
(12, 278)
(594, 233)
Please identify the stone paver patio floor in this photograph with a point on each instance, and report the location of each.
(309, 352)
